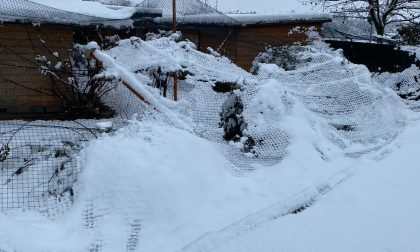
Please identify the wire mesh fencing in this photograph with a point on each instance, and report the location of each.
(38, 162)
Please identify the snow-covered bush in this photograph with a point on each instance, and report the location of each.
(74, 81)
(234, 125)
(286, 57)
(232, 120)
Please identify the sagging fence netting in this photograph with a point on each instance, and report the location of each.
(340, 100)
(406, 84)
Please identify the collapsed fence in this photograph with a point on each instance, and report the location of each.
(339, 102)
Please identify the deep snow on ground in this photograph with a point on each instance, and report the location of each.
(375, 210)
(176, 184)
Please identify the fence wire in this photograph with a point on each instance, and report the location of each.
(38, 161)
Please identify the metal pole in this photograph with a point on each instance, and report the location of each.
(174, 31)
(174, 15)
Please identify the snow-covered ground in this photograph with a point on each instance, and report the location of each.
(374, 210)
(333, 168)
(176, 185)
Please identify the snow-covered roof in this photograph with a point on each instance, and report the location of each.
(196, 12)
(246, 19)
(255, 19)
(188, 12)
(199, 19)
(74, 12)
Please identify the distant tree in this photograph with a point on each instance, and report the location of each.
(379, 12)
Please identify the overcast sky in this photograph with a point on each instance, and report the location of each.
(262, 6)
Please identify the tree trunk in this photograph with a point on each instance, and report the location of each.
(380, 29)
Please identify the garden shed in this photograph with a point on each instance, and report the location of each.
(245, 40)
(238, 36)
(31, 28)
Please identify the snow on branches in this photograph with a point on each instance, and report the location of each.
(379, 12)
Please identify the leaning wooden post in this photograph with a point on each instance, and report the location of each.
(174, 31)
(90, 54)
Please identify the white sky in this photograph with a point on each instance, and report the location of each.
(264, 6)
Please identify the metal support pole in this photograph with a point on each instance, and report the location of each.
(174, 31)
(174, 15)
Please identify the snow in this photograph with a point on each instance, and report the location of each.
(375, 210)
(156, 100)
(106, 125)
(249, 19)
(265, 108)
(413, 50)
(177, 184)
(89, 8)
(182, 188)
(30, 231)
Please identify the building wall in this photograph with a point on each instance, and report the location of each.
(243, 44)
(216, 38)
(253, 39)
(19, 75)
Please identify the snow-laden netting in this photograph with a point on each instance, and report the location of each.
(75, 12)
(170, 177)
(38, 162)
(345, 104)
(406, 84)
